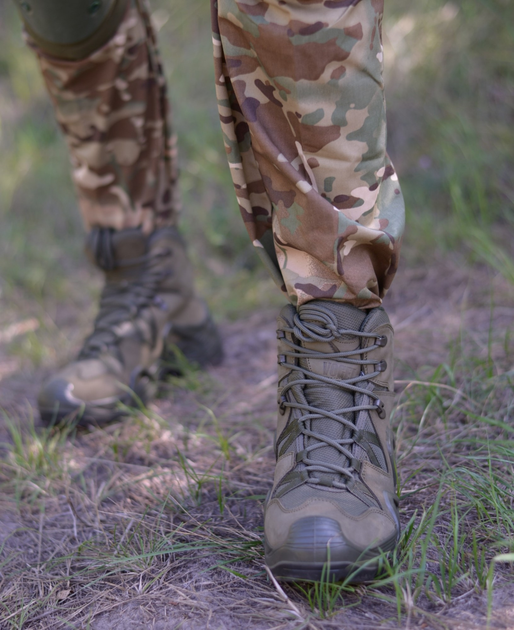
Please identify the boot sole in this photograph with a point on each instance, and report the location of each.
(324, 572)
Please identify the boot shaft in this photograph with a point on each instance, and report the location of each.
(131, 256)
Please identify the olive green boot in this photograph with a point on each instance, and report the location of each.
(147, 308)
(333, 501)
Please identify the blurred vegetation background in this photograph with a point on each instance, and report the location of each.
(450, 90)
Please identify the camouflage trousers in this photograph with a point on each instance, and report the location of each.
(301, 102)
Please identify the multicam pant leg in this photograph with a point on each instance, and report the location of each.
(301, 102)
(113, 110)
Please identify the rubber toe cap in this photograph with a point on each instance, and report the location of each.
(56, 400)
(315, 545)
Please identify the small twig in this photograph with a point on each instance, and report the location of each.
(72, 512)
(456, 599)
(39, 547)
(291, 605)
(122, 539)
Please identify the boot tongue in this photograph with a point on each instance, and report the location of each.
(331, 397)
(129, 245)
(116, 251)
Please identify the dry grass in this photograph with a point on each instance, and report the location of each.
(156, 521)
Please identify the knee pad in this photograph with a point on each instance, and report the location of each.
(71, 29)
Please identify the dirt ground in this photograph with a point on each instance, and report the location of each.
(230, 409)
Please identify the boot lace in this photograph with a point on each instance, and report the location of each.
(123, 300)
(321, 326)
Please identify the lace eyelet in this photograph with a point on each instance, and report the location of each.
(281, 405)
(381, 366)
(380, 407)
(281, 358)
(381, 341)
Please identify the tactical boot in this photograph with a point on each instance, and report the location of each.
(147, 307)
(333, 501)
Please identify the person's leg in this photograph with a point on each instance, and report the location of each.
(302, 109)
(112, 107)
(102, 69)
